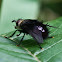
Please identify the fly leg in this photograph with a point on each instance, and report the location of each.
(51, 37)
(21, 40)
(19, 33)
(12, 34)
(39, 45)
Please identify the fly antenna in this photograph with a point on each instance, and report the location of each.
(14, 21)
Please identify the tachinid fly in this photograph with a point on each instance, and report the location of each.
(36, 29)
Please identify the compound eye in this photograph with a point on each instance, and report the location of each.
(16, 23)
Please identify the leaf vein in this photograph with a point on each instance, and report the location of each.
(38, 52)
(53, 56)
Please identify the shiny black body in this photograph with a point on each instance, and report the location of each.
(29, 24)
(36, 29)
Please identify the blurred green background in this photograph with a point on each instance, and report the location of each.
(48, 10)
(27, 9)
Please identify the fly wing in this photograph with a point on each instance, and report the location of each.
(36, 34)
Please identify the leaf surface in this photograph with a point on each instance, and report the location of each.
(29, 51)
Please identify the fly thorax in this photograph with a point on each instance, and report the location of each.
(20, 22)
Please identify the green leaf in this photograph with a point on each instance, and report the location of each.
(29, 51)
(9, 52)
